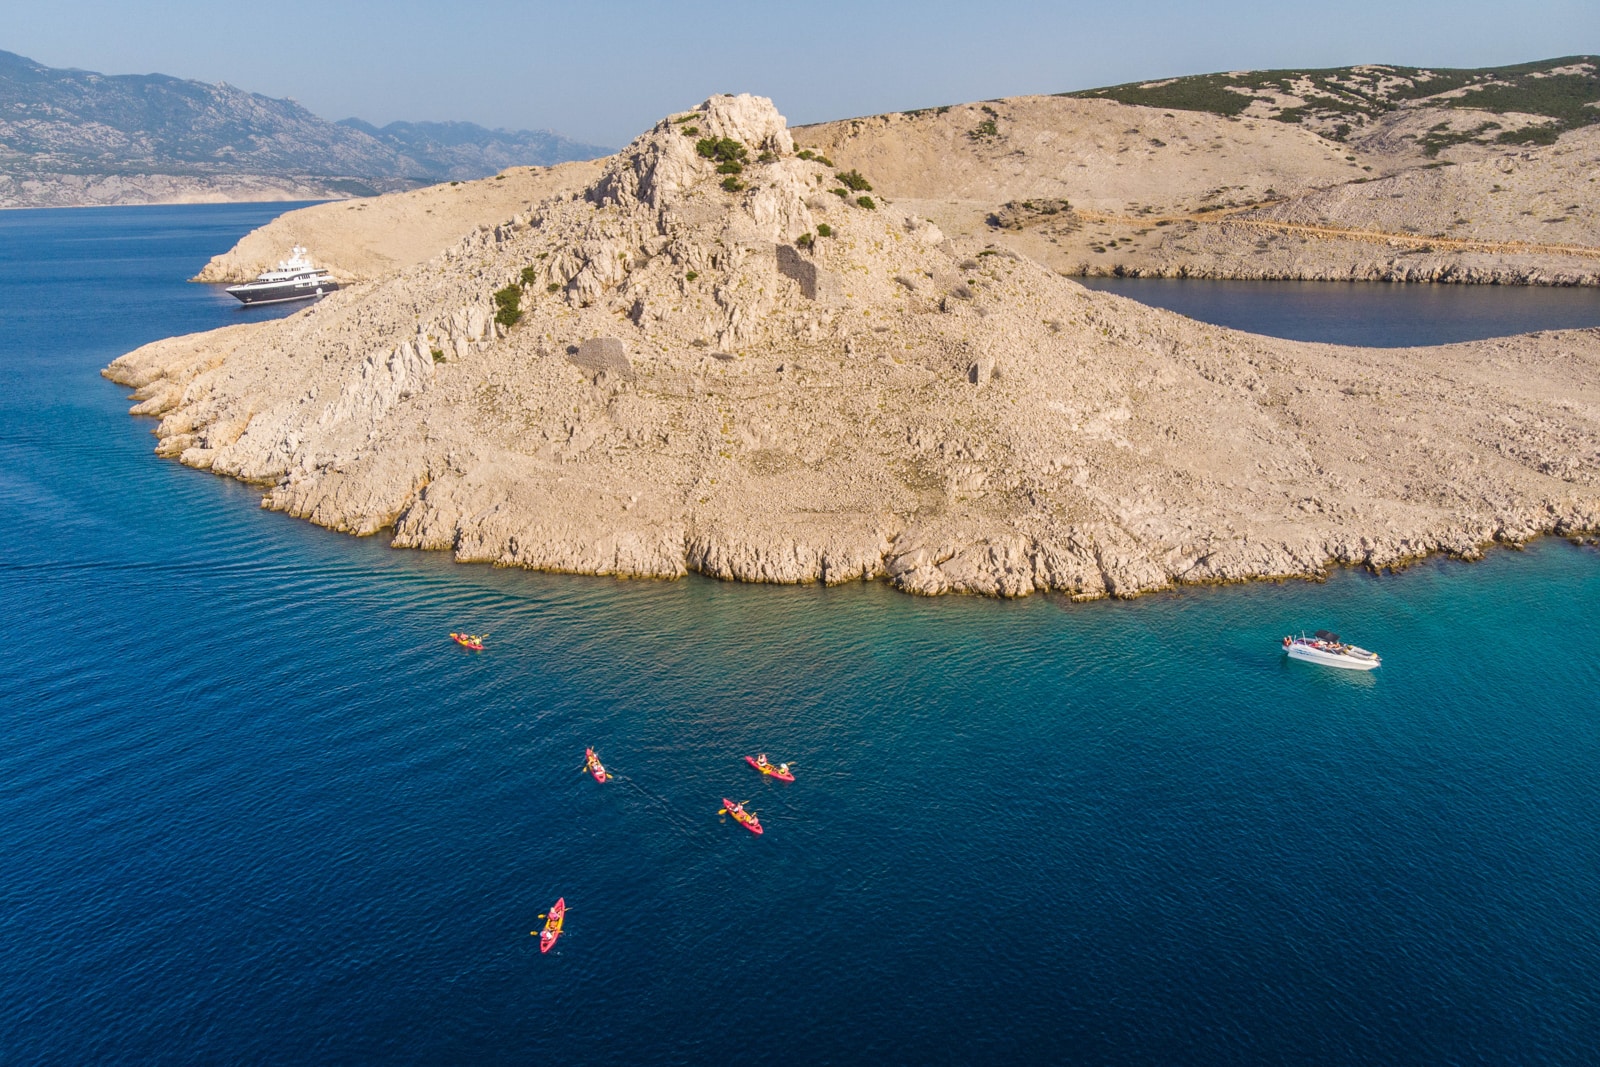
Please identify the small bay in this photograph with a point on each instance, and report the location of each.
(1370, 314)
(256, 807)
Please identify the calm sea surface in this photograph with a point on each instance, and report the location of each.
(256, 808)
(1376, 314)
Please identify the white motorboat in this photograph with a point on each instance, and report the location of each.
(1326, 648)
(295, 279)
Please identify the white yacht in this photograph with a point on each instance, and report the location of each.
(1326, 648)
(295, 279)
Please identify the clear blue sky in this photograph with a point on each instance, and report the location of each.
(603, 72)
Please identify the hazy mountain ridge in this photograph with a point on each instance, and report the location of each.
(463, 151)
(56, 123)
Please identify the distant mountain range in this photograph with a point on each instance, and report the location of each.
(465, 150)
(64, 133)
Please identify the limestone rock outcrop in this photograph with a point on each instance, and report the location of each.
(726, 361)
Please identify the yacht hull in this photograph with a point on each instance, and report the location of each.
(278, 294)
(1331, 659)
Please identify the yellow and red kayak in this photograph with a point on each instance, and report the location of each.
(472, 641)
(747, 819)
(770, 768)
(552, 925)
(591, 763)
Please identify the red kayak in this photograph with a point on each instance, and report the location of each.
(778, 771)
(472, 641)
(591, 763)
(552, 925)
(746, 818)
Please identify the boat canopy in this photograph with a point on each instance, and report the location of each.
(1326, 636)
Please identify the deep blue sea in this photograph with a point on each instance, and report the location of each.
(256, 808)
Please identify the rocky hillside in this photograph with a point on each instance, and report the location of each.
(726, 355)
(64, 132)
(361, 240)
(1369, 105)
(1233, 176)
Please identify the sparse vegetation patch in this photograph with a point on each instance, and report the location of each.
(725, 152)
(1334, 101)
(508, 305)
(852, 179)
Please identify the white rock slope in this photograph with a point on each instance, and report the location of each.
(701, 380)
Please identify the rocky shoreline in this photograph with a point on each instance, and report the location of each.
(1452, 273)
(715, 356)
(19, 191)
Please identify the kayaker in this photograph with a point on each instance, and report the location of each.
(761, 760)
(783, 768)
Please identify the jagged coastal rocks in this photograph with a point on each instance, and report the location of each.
(723, 355)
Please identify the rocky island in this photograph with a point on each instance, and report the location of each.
(718, 352)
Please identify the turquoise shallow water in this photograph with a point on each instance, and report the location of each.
(255, 807)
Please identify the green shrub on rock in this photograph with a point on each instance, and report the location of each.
(508, 305)
(723, 150)
(852, 180)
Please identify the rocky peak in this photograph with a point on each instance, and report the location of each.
(664, 161)
(751, 120)
(706, 187)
